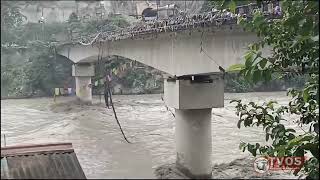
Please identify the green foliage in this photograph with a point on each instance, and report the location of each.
(10, 85)
(38, 69)
(85, 29)
(73, 17)
(138, 76)
(235, 82)
(45, 72)
(11, 19)
(31, 71)
(294, 40)
(221, 4)
(11, 16)
(39, 74)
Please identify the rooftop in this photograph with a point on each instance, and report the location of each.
(45, 161)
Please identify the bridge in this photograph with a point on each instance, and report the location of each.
(194, 54)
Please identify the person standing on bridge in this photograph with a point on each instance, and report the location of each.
(106, 89)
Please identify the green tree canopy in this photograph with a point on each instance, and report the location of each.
(294, 40)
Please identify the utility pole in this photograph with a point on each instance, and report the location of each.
(185, 6)
(158, 3)
(42, 25)
(77, 8)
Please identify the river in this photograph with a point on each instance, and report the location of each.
(98, 143)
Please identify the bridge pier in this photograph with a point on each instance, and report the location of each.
(82, 73)
(193, 98)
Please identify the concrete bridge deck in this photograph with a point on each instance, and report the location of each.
(202, 43)
(195, 50)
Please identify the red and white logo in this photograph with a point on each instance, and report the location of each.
(265, 164)
(261, 165)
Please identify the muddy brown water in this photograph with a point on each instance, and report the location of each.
(99, 145)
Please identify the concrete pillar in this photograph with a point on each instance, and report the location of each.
(83, 89)
(194, 142)
(83, 73)
(193, 98)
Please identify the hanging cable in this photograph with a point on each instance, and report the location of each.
(99, 52)
(113, 109)
(69, 49)
(220, 67)
(167, 107)
(99, 64)
(101, 60)
(204, 51)
(115, 115)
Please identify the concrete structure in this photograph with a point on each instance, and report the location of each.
(195, 94)
(193, 97)
(194, 142)
(176, 53)
(193, 58)
(192, 51)
(82, 73)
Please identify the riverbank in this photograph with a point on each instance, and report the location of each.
(241, 168)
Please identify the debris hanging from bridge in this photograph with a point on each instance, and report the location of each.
(177, 23)
(116, 117)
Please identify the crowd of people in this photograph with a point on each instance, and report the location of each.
(184, 21)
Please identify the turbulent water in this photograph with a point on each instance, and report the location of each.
(99, 145)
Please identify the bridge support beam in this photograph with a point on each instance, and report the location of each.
(193, 99)
(193, 142)
(83, 73)
(83, 89)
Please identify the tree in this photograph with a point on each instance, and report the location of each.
(45, 71)
(11, 19)
(294, 40)
(220, 4)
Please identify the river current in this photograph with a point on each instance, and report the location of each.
(98, 142)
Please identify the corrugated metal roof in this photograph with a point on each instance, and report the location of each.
(46, 161)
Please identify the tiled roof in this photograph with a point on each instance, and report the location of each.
(45, 161)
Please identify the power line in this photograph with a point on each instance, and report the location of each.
(115, 115)
(204, 51)
(220, 67)
(167, 107)
(109, 91)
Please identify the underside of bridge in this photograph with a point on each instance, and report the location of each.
(194, 59)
